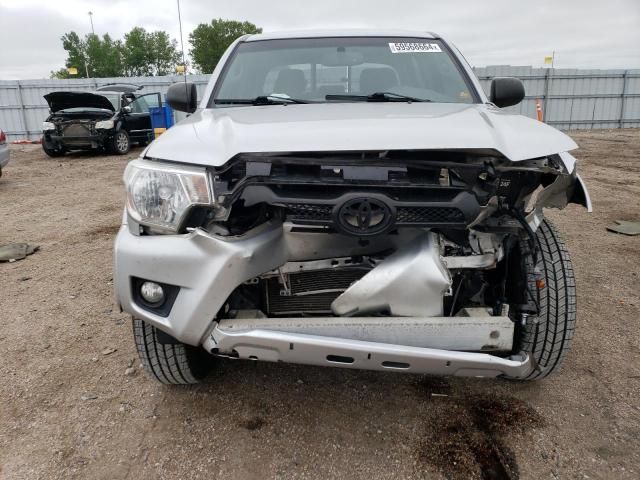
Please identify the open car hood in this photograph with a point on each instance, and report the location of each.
(62, 100)
(213, 136)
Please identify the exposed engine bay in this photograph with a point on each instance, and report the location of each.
(78, 129)
(432, 233)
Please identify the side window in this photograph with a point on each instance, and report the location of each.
(139, 105)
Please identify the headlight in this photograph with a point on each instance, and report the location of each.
(104, 124)
(160, 194)
(48, 126)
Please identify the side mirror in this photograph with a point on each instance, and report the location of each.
(127, 109)
(506, 91)
(183, 97)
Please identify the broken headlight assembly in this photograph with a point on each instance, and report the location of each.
(104, 125)
(160, 195)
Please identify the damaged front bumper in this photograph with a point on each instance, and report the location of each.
(275, 346)
(206, 268)
(76, 142)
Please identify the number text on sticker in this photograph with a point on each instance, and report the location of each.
(414, 47)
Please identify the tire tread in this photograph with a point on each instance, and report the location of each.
(548, 336)
(171, 364)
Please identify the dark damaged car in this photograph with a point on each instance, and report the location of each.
(108, 121)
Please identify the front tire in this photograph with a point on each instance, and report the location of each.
(53, 153)
(547, 337)
(169, 363)
(121, 143)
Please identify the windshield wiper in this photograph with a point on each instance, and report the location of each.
(261, 100)
(378, 97)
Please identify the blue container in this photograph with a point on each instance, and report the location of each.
(161, 117)
(168, 115)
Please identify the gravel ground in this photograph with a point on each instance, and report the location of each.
(68, 410)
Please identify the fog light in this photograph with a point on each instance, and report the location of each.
(152, 292)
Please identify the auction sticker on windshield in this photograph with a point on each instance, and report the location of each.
(414, 47)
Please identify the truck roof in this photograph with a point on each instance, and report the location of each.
(349, 32)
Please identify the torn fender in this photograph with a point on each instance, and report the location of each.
(581, 195)
(565, 189)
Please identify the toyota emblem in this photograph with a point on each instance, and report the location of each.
(364, 216)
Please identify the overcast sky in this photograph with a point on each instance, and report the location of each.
(584, 33)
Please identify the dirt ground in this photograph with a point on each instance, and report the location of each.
(68, 410)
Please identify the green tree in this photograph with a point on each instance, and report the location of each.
(76, 54)
(141, 53)
(61, 73)
(134, 53)
(164, 53)
(149, 53)
(209, 41)
(104, 56)
(92, 55)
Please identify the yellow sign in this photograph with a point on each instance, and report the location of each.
(548, 60)
(179, 68)
(72, 70)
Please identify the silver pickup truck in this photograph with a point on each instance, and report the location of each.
(349, 199)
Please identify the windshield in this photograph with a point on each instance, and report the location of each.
(313, 68)
(114, 98)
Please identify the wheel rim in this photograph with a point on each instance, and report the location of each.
(121, 142)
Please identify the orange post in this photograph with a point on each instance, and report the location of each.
(539, 110)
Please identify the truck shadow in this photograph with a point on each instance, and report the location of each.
(466, 438)
(453, 426)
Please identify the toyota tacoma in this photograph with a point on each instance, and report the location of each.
(350, 199)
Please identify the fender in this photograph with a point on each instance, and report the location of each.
(581, 195)
(565, 189)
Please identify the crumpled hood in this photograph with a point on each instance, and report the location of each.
(62, 100)
(213, 136)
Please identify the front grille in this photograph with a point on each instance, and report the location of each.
(425, 215)
(404, 215)
(76, 130)
(310, 212)
(311, 292)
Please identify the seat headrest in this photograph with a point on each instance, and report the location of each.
(290, 81)
(377, 80)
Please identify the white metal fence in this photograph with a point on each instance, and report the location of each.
(570, 98)
(575, 99)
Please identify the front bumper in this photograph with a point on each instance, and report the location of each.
(274, 346)
(207, 268)
(55, 141)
